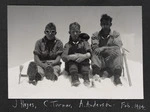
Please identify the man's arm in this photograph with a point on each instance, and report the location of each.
(54, 62)
(108, 47)
(116, 43)
(39, 62)
(94, 41)
(82, 57)
(65, 57)
(87, 55)
(36, 53)
(114, 49)
(58, 53)
(117, 39)
(95, 44)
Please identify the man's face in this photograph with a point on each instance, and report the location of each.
(74, 33)
(50, 33)
(106, 25)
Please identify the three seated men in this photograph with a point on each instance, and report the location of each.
(104, 53)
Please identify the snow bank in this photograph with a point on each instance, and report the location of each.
(62, 88)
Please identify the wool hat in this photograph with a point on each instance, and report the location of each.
(74, 26)
(50, 26)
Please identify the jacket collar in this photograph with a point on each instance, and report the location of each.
(44, 39)
(100, 34)
(73, 42)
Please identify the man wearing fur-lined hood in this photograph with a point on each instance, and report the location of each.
(106, 53)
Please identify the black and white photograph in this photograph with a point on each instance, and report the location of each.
(75, 52)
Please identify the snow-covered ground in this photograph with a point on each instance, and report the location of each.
(62, 88)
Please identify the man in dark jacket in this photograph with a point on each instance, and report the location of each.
(76, 55)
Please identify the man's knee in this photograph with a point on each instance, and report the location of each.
(95, 69)
(118, 71)
(73, 69)
(118, 61)
(32, 70)
(85, 69)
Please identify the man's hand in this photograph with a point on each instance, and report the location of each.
(100, 49)
(45, 65)
(78, 57)
(82, 57)
(97, 51)
(50, 62)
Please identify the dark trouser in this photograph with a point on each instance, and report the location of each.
(32, 72)
(79, 68)
(74, 68)
(36, 72)
(114, 66)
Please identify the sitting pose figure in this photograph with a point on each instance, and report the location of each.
(76, 55)
(47, 55)
(106, 53)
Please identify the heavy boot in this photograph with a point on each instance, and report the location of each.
(117, 74)
(109, 71)
(32, 72)
(86, 79)
(97, 70)
(49, 73)
(75, 79)
(38, 77)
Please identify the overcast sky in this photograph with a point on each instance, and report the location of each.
(26, 25)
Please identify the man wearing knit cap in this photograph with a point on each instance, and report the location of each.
(76, 55)
(47, 55)
(106, 55)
